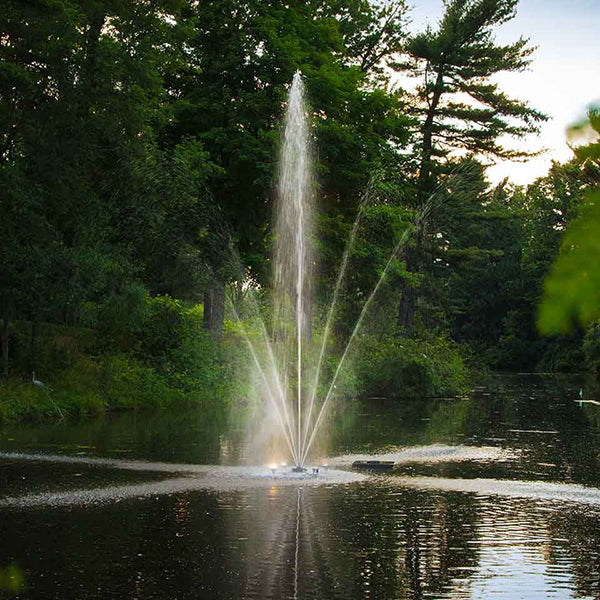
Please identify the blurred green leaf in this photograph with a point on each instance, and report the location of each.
(12, 580)
(572, 290)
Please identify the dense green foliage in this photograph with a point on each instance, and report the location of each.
(138, 146)
(164, 358)
(394, 367)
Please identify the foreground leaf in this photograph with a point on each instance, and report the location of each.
(572, 290)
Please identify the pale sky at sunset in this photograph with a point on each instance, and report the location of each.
(563, 79)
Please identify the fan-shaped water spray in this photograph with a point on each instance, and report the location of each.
(284, 356)
(286, 359)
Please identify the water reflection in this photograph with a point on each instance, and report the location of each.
(381, 538)
(576, 542)
(377, 542)
(367, 540)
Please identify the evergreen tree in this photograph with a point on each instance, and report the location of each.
(457, 106)
(477, 257)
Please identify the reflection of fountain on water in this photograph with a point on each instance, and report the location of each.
(292, 554)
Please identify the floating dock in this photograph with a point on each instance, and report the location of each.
(373, 465)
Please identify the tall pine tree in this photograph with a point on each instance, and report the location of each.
(458, 107)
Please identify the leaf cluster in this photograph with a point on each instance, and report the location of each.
(571, 289)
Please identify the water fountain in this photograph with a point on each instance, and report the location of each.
(281, 356)
(292, 284)
(287, 360)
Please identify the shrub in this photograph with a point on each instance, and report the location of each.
(128, 383)
(164, 330)
(163, 357)
(120, 318)
(21, 401)
(398, 367)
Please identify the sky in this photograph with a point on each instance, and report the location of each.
(562, 80)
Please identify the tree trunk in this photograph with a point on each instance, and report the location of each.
(408, 299)
(423, 186)
(96, 23)
(207, 309)
(406, 310)
(218, 310)
(33, 344)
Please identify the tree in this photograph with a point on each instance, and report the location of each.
(477, 247)
(545, 210)
(457, 106)
(80, 88)
(230, 96)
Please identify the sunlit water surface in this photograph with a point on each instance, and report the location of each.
(494, 496)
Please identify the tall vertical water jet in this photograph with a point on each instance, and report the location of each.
(280, 356)
(292, 285)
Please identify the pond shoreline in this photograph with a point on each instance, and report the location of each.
(22, 402)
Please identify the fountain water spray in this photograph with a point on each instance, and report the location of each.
(282, 363)
(292, 257)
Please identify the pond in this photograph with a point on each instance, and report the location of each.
(493, 496)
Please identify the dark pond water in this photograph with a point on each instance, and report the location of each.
(472, 511)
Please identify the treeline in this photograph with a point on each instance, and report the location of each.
(138, 145)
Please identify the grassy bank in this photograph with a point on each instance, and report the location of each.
(93, 385)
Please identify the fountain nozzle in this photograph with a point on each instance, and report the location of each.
(299, 469)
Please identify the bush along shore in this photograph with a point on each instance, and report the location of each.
(157, 357)
(161, 357)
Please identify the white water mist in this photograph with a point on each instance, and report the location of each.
(292, 283)
(285, 358)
